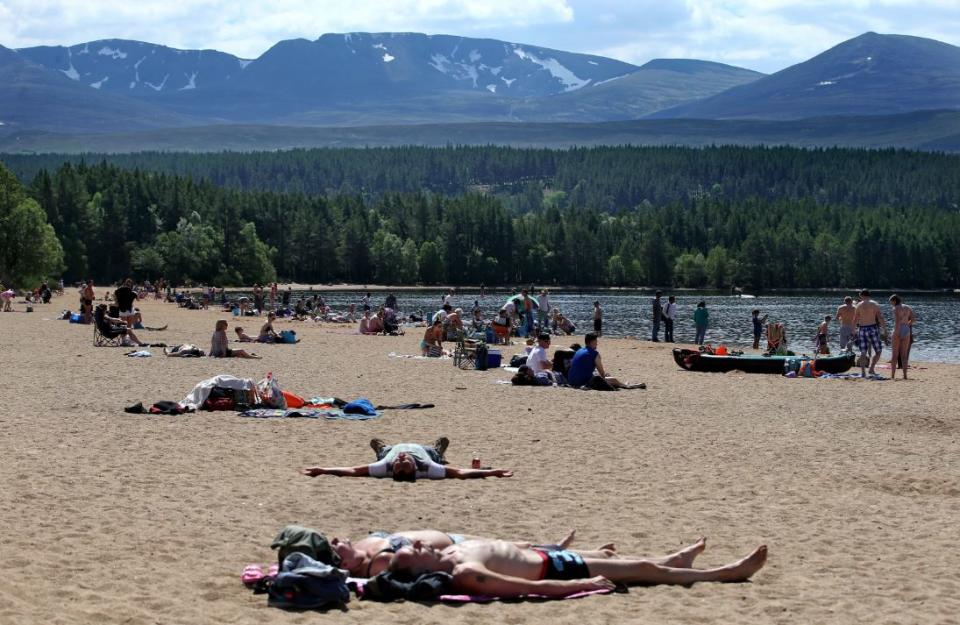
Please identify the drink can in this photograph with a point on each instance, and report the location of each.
(476, 462)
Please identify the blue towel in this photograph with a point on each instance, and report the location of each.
(360, 406)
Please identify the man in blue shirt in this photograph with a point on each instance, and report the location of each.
(586, 369)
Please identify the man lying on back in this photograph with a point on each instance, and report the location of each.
(406, 462)
(501, 569)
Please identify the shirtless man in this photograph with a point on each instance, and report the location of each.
(903, 320)
(870, 324)
(847, 325)
(501, 569)
(372, 554)
(86, 301)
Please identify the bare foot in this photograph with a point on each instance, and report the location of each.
(744, 569)
(684, 558)
(567, 540)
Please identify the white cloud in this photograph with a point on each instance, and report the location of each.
(249, 28)
(762, 34)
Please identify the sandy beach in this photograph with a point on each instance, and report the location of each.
(115, 518)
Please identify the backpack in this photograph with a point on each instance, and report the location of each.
(305, 584)
(299, 539)
(288, 336)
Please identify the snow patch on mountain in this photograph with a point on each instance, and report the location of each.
(475, 56)
(244, 63)
(99, 83)
(492, 88)
(114, 54)
(440, 63)
(509, 81)
(71, 72)
(387, 57)
(157, 87)
(496, 70)
(86, 49)
(191, 82)
(569, 80)
(603, 82)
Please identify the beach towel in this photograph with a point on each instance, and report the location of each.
(488, 599)
(331, 414)
(143, 353)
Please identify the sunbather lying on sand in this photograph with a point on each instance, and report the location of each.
(372, 554)
(502, 569)
(405, 462)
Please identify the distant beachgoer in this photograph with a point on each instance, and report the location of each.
(286, 297)
(365, 301)
(701, 319)
(597, 319)
(432, 343)
(220, 347)
(822, 344)
(7, 296)
(871, 326)
(267, 333)
(657, 315)
(86, 301)
(669, 314)
(242, 336)
(758, 323)
(538, 360)
(586, 369)
(406, 462)
(903, 320)
(448, 298)
(848, 327)
(483, 290)
(543, 302)
(526, 310)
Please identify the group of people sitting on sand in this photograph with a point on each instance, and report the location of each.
(578, 367)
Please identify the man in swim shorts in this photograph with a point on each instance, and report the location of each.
(871, 327)
(406, 462)
(501, 569)
(848, 326)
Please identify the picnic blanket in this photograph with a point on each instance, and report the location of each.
(332, 414)
(852, 376)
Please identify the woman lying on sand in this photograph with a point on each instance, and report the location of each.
(372, 554)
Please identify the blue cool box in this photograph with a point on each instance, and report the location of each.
(493, 358)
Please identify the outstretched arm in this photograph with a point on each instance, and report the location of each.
(476, 579)
(361, 471)
(471, 474)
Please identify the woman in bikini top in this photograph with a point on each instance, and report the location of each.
(372, 554)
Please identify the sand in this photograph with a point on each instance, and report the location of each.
(116, 518)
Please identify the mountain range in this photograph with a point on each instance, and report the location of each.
(50, 95)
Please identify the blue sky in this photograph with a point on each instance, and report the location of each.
(766, 35)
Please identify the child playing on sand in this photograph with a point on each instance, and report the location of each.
(219, 346)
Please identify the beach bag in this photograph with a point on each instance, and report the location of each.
(288, 336)
(305, 584)
(271, 395)
(518, 360)
(299, 539)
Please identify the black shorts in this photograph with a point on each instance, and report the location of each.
(597, 324)
(562, 564)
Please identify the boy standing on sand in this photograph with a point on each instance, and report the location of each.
(870, 323)
(597, 319)
(758, 322)
(669, 314)
(848, 327)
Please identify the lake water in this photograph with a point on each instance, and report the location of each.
(627, 313)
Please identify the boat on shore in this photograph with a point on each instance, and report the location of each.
(693, 360)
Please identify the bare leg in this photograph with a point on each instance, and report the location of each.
(895, 355)
(904, 354)
(649, 572)
(684, 558)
